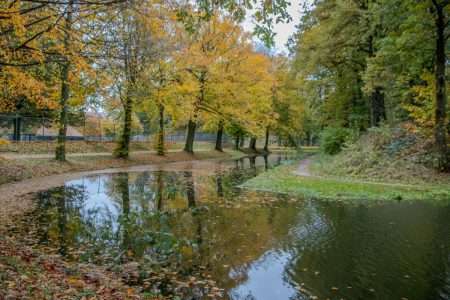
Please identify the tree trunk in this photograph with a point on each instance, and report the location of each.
(123, 148)
(377, 107)
(236, 143)
(266, 142)
(441, 97)
(189, 146)
(17, 128)
(219, 137)
(161, 147)
(60, 151)
(252, 144)
(242, 141)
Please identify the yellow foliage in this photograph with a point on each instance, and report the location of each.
(4, 142)
(422, 110)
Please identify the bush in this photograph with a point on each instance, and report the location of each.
(332, 139)
(4, 142)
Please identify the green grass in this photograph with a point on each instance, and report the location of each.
(282, 180)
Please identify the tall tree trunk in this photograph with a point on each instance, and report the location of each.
(242, 141)
(236, 142)
(440, 131)
(192, 125)
(60, 151)
(189, 146)
(123, 147)
(252, 144)
(377, 107)
(161, 147)
(17, 128)
(266, 141)
(219, 137)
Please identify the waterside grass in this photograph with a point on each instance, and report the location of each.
(283, 180)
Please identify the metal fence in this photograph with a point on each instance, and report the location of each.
(26, 128)
(15, 127)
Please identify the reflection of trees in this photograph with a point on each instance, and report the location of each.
(159, 190)
(252, 160)
(219, 185)
(123, 188)
(62, 221)
(190, 189)
(266, 162)
(58, 216)
(232, 238)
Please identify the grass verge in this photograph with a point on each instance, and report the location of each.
(283, 180)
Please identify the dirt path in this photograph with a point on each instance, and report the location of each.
(12, 155)
(303, 168)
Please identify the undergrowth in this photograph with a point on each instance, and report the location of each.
(385, 154)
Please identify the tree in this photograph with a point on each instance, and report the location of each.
(60, 151)
(205, 59)
(442, 22)
(407, 55)
(37, 35)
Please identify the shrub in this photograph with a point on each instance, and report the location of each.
(4, 142)
(332, 139)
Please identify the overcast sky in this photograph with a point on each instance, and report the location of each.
(283, 31)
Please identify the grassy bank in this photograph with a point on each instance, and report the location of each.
(283, 180)
(394, 155)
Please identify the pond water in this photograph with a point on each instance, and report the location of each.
(253, 245)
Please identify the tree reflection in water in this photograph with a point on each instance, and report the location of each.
(254, 245)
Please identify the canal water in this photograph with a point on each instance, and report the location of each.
(262, 246)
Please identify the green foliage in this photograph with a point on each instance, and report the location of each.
(332, 139)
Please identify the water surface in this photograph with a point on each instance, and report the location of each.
(254, 245)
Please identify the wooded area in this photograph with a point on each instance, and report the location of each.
(173, 149)
(351, 65)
